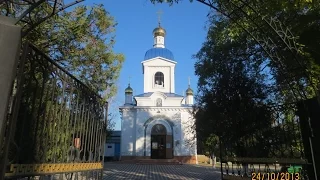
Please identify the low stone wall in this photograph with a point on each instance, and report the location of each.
(186, 159)
(202, 159)
(86, 175)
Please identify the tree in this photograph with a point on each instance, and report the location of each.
(81, 40)
(211, 145)
(301, 18)
(286, 81)
(232, 95)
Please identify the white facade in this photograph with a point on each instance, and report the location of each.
(138, 121)
(189, 100)
(158, 105)
(158, 41)
(151, 67)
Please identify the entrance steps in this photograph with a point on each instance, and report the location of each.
(158, 162)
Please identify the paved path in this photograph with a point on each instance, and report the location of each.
(115, 171)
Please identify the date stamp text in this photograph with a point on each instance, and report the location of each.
(275, 176)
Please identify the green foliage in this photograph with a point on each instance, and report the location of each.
(171, 2)
(238, 80)
(301, 17)
(234, 98)
(81, 40)
(211, 145)
(54, 111)
(231, 93)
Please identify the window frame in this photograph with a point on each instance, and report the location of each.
(155, 78)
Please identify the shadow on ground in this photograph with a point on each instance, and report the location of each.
(113, 171)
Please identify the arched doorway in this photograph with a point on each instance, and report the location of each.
(161, 143)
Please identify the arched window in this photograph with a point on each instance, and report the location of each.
(159, 102)
(158, 129)
(159, 79)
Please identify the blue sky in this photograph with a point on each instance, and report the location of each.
(185, 26)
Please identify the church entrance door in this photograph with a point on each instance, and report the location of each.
(161, 143)
(158, 150)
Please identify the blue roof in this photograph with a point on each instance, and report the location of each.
(150, 93)
(155, 52)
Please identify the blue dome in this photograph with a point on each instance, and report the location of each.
(155, 52)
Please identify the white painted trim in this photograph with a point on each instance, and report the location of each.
(151, 108)
(159, 57)
(148, 133)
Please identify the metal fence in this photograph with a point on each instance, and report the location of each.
(267, 150)
(56, 125)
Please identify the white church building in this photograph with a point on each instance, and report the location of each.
(158, 123)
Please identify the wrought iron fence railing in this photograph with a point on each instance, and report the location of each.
(272, 150)
(56, 124)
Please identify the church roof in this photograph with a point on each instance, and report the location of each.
(156, 52)
(129, 89)
(189, 91)
(150, 93)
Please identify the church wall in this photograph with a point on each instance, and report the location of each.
(140, 132)
(151, 67)
(127, 132)
(135, 125)
(144, 102)
(171, 102)
(144, 115)
(167, 80)
(187, 135)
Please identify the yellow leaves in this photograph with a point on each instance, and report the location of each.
(80, 10)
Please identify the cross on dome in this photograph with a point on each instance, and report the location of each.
(189, 91)
(159, 17)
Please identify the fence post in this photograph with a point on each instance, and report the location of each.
(308, 112)
(10, 43)
(104, 136)
(220, 144)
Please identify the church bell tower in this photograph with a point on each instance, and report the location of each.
(159, 64)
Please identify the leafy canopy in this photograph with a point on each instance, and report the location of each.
(238, 80)
(82, 41)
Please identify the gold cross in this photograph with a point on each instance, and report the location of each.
(189, 80)
(159, 16)
(129, 79)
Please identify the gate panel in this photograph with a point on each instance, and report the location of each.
(274, 149)
(309, 114)
(169, 150)
(57, 124)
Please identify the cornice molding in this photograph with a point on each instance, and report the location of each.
(159, 67)
(154, 107)
(125, 109)
(159, 58)
(162, 110)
